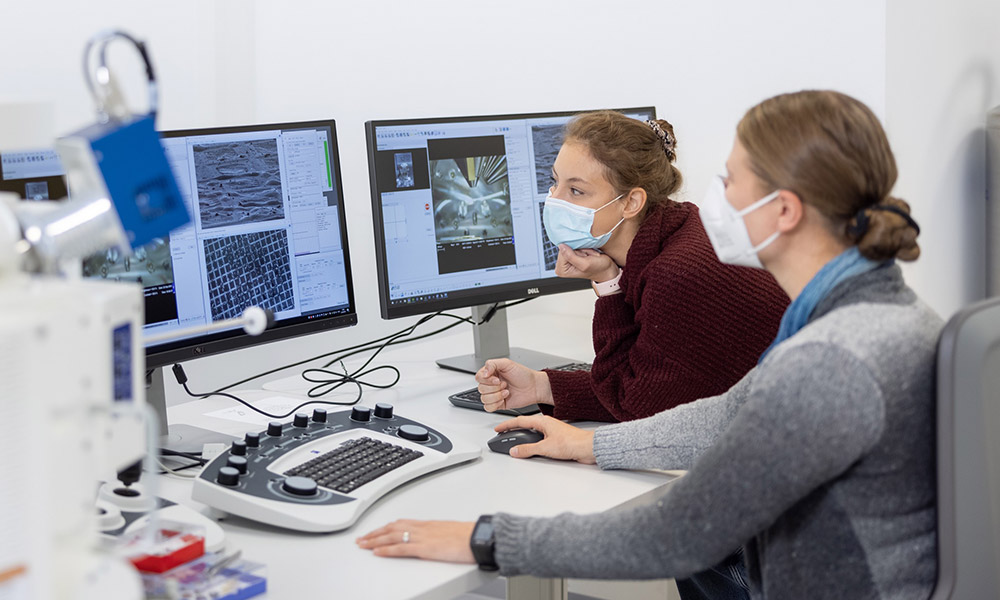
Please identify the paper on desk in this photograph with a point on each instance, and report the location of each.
(276, 405)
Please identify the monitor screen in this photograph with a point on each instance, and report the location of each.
(457, 205)
(33, 175)
(267, 229)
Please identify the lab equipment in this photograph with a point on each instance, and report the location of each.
(457, 207)
(321, 472)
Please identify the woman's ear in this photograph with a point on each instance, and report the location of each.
(791, 210)
(635, 202)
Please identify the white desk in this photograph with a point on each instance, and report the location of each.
(331, 565)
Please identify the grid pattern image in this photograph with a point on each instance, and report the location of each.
(250, 269)
(550, 252)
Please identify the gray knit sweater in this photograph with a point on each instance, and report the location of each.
(820, 462)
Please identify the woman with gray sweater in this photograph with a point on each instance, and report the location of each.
(820, 461)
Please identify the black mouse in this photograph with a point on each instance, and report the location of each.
(503, 442)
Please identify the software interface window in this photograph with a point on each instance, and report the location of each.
(462, 203)
(265, 231)
(464, 210)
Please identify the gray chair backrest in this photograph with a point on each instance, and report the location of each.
(968, 454)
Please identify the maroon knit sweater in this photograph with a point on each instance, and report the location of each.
(685, 326)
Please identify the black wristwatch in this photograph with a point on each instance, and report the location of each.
(482, 543)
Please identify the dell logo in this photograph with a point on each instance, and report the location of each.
(532, 291)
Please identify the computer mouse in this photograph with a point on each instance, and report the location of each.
(503, 442)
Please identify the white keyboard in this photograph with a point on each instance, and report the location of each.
(320, 473)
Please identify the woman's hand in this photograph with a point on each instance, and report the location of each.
(562, 441)
(447, 541)
(586, 263)
(504, 383)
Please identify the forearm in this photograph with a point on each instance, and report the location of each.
(672, 439)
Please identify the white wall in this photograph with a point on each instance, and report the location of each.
(942, 75)
(230, 61)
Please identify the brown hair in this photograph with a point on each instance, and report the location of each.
(633, 154)
(831, 150)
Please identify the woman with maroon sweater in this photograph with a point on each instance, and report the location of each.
(672, 324)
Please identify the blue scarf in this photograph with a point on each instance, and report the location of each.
(849, 263)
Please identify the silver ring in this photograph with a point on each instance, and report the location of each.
(406, 537)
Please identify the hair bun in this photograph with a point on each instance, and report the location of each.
(886, 230)
(665, 131)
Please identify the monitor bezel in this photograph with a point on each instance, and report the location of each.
(227, 341)
(463, 298)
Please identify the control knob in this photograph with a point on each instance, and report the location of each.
(361, 413)
(228, 476)
(252, 439)
(237, 462)
(383, 410)
(274, 429)
(300, 486)
(239, 448)
(414, 432)
(301, 420)
(319, 415)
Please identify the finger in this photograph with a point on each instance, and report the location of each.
(385, 539)
(528, 450)
(486, 371)
(397, 550)
(495, 402)
(515, 423)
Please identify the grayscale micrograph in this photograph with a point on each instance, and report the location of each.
(471, 198)
(250, 269)
(238, 182)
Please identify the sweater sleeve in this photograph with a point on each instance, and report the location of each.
(795, 433)
(641, 356)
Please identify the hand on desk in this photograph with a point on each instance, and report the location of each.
(562, 441)
(446, 541)
(504, 383)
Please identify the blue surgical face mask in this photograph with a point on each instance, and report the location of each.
(567, 223)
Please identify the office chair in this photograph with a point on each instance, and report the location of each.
(968, 454)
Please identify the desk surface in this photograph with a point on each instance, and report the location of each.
(309, 565)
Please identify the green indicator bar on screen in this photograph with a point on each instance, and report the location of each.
(329, 177)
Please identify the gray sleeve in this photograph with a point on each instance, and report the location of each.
(672, 439)
(803, 425)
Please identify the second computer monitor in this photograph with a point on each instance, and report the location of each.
(457, 205)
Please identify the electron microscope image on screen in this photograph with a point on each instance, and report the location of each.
(238, 182)
(250, 269)
(471, 198)
(546, 141)
(404, 169)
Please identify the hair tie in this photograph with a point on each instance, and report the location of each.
(860, 227)
(666, 139)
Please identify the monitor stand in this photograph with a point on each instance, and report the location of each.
(491, 342)
(177, 437)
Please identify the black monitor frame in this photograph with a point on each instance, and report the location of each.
(490, 331)
(461, 298)
(217, 343)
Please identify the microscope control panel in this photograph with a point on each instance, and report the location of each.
(321, 471)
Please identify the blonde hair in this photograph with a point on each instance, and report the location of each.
(831, 150)
(633, 153)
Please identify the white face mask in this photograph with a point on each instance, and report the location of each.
(726, 229)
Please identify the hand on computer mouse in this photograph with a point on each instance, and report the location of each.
(505, 384)
(562, 441)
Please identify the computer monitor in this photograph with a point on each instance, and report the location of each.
(267, 229)
(457, 209)
(33, 175)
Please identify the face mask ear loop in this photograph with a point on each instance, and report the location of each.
(758, 204)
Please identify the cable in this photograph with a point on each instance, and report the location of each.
(328, 380)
